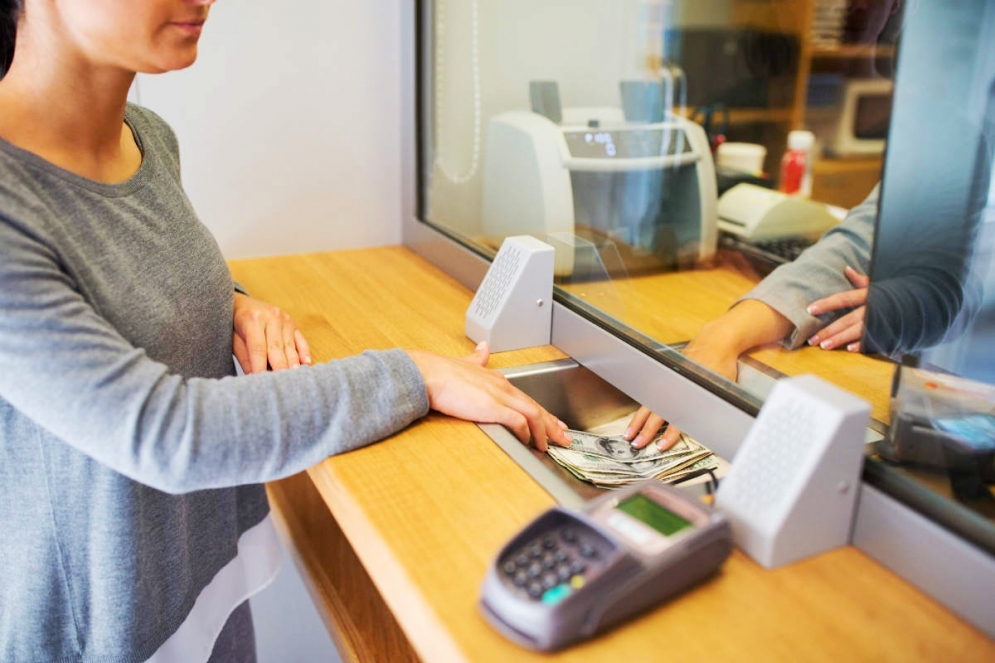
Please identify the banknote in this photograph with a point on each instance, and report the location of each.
(616, 447)
(639, 469)
(611, 461)
(617, 479)
(708, 463)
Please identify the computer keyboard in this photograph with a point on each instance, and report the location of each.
(772, 252)
(788, 249)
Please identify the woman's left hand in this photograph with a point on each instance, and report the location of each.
(848, 329)
(266, 336)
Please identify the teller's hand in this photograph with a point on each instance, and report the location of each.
(846, 330)
(706, 349)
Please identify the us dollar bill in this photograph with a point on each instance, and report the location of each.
(617, 448)
(640, 469)
(611, 461)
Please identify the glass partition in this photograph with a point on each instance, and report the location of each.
(644, 140)
(676, 153)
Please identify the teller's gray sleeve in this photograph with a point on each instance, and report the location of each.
(818, 272)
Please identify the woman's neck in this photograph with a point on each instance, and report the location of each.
(70, 113)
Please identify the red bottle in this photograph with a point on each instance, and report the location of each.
(796, 165)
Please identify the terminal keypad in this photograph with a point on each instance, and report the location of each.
(551, 567)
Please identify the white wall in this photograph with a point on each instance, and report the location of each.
(289, 125)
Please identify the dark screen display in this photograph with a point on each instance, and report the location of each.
(872, 117)
(625, 144)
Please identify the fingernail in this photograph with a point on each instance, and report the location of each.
(814, 340)
(813, 310)
(561, 424)
(307, 360)
(628, 433)
(480, 346)
(636, 442)
(853, 347)
(826, 345)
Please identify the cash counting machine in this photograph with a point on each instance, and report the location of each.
(646, 190)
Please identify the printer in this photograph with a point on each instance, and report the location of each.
(644, 192)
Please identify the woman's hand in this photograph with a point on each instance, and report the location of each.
(712, 354)
(717, 347)
(848, 329)
(464, 388)
(265, 335)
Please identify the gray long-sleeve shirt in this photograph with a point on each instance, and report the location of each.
(129, 454)
(818, 272)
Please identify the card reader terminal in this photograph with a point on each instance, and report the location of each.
(570, 574)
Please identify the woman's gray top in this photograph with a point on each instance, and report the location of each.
(130, 457)
(818, 272)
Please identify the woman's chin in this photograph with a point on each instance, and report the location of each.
(172, 63)
(169, 55)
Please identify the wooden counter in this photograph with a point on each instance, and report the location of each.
(395, 538)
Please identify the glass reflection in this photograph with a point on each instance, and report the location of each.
(615, 131)
(646, 140)
(625, 134)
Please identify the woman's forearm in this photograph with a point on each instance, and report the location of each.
(749, 324)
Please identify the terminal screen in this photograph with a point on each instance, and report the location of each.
(647, 511)
(625, 144)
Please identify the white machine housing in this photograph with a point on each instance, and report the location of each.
(530, 171)
(757, 214)
(792, 488)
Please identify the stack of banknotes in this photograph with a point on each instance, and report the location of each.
(610, 461)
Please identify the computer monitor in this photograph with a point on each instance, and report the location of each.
(931, 300)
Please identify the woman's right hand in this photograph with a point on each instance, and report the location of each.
(748, 324)
(849, 328)
(705, 350)
(465, 388)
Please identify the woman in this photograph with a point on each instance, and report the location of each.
(818, 299)
(130, 457)
(790, 306)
